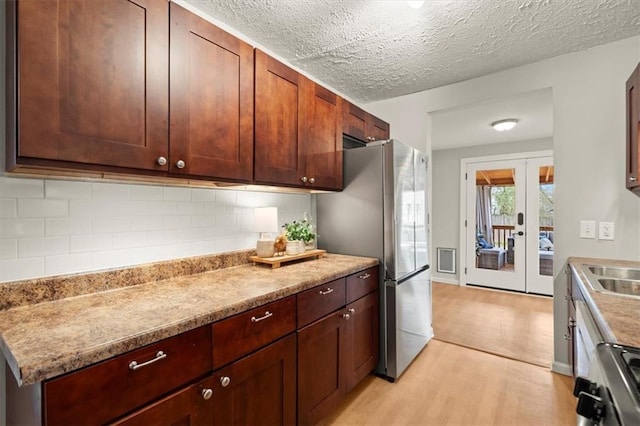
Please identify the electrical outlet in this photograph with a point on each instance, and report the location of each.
(587, 229)
(606, 230)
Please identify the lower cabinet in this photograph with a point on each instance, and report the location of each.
(362, 337)
(291, 361)
(258, 389)
(339, 349)
(321, 366)
(190, 406)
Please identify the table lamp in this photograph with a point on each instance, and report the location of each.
(266, 223)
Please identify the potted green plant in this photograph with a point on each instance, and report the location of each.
(299, 231)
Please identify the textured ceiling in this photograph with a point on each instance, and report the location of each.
(373, 49)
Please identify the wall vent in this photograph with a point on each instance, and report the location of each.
(447, 260)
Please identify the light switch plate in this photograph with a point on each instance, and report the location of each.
(606, 231)
(587, 229)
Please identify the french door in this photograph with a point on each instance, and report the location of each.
(509, 208)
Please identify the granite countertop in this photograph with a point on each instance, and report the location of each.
(46, 339)
(617, 316)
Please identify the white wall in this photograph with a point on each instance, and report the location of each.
(588, 142)
(446, 193)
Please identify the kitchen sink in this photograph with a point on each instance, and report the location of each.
(610, 272)
(614, 280)
(628, 287)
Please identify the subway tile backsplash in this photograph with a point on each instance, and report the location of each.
(52, 227)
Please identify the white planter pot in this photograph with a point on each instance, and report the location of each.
(295, 247)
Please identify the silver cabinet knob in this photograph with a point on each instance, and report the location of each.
(206, 393)
(161, 161)
(632, 178)
(303, 179)
(312, 180)
(346, 316)
(224, 381)
(180, 164)
(351, 310)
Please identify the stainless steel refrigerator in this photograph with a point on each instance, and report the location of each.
(382, 212)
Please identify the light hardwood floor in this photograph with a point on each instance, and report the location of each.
(513, 325)
(449, 384)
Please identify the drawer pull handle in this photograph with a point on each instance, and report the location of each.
(329, 290)
(364, 277)
(134, 364)
(207, 393)
(266, 315)
(224, 381)
(351, 310)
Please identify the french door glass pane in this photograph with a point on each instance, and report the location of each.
(546, 209)
(495, 219)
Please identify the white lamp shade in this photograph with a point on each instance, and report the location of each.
(266, 219)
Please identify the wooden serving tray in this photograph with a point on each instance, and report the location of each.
(277, 261)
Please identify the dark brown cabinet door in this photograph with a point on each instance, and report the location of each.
(376, 129)
(321, 358)
(211, 92)
(363, 335)
(633, 134)
(259, 389)
(323, 146)
(92, 82)
(363, 126)
(192, 405)
(354, 121)
(279, 115)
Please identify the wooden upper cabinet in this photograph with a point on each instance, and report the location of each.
(92, 81)
(376, 129)
(354, 121)
(363, 126)
(211, 93)
(279, 130)
(323, 144)
(633, 133)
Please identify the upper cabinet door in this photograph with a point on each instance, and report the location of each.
(323, 146)
(353, 122)
(361, 125)
(211, 93)
(279, 101)
(376, 129)
(92, 81)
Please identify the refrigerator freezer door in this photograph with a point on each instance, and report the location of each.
(408, 326)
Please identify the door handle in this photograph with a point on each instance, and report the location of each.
(520, 233)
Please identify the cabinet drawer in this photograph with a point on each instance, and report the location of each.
(320, 300)
(362, 283)
(114, 387)
(242, 334)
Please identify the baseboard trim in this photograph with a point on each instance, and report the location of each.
(445, 280)
(561, 368)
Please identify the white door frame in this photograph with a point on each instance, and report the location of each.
(463, 196)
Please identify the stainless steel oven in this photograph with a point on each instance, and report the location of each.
(610, 394)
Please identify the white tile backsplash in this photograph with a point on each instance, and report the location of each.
(21, 188)
(67, 226)
(8, 248)
(40, 247)
(68, 190)
(8, 208)
(21, 269)
(21, 228)
(53, 227)
(43, 208)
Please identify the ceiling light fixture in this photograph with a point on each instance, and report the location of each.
(506, 124)
(415, 4)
